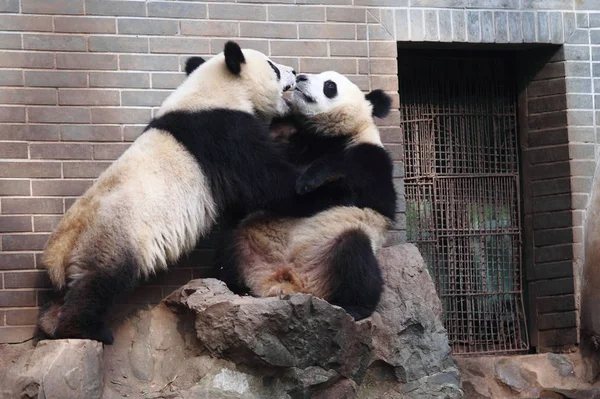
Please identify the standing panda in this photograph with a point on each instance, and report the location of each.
(334, 140)
(205, 154)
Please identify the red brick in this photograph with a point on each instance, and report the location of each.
(32, 205)
(60, 188)
(546, 87)
(561, 303)
(16, 261)
(547, 171)
(553, 203)
(550, 71)
(2, 313)
(30, 169)
(29, 132)
(11, 299)
(45, 223)
(551, 120)
(13, 224)
(550, 187)
(548, 137)
(90, 133)
(13, 150)
(560, 286)
(84, 169)
(59, 114)
(22, 317)
(553, 253)
(60, 151)
(12, 114)
(109, 151)
(11, 335)
(14, 187)
(33, 279)
(547, 104)
(24, 242)
(28, 96)
(554, 338)
(553, 237)
(557, 320)
(84, 25)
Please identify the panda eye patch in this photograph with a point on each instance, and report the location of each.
(330, 89)
(275, 69)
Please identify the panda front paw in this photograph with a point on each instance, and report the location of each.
(305, 185)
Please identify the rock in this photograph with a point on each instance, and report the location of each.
(300, 331)
(407, 330)
(548, 376)
(69, 368)
(517, 378)
(205, 342)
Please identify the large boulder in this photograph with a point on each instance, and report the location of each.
(68, 368)
(203, 341)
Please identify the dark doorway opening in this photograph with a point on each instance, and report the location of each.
(463, 197)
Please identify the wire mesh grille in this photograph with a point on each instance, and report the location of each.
(462, 190)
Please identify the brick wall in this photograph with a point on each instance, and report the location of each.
(80, 78)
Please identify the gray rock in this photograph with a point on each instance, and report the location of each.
(407, 330)
(299, 331)
(69, 368)
(205, 342)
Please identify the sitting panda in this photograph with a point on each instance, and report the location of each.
(331, 136)
(206, 154)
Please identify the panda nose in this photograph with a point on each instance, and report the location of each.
(301, 78)
(286, 88)
(294, 72)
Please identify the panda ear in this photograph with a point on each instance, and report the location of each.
(234, 58)
(381, 103)
(192, 63)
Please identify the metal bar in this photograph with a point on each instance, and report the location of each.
(459, 117)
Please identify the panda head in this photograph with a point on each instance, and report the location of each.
(244, 80)
(336, 106)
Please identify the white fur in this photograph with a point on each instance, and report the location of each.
(348, 112)
(154, 202)
(212, 86)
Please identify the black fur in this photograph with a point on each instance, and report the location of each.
(356, 276)
(360, 175)
(234, 57)
(226, 262)
(90, 297)
(381, 103)
(246, 170)
(192, 63)
(274, 68)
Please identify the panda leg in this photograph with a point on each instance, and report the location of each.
(87, 301)
(357, 280)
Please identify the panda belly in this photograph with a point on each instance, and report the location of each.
(145, 210)
(279, 256)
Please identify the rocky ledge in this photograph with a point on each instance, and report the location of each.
(203, 341)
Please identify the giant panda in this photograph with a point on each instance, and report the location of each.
(206, 154)
(332, 137)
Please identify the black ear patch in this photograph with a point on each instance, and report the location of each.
(234, 58)
(381, 103)
(275, 69)
(192, 63)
